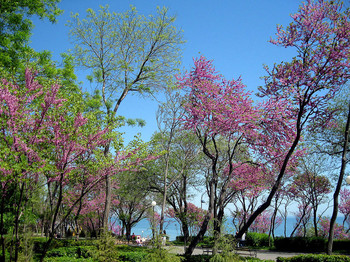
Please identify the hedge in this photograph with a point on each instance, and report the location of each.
(315, 258)
(300, 244)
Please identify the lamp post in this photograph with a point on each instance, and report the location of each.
(154, 203)
(202, 201)
(347, 179)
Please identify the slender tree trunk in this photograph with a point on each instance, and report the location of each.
(108, 199)
(217, 228)
(337, 190)
(53, 220)
(165, 191)
(315, 221)
(205, 223)
(198, 237)
(276, 185)
(2, 228)
(185, 231)
(19, 204)
(272, 226)
(298, 223)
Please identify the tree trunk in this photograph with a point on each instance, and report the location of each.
(337, 190)
(108, 199)
(185, 231)
(315, 221)
(276, 185)
(204, 226)
(2, 228)
(198, 237)
(127, 231)
(17, 217)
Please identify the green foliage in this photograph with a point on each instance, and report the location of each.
(162, 255)
(69, 259)
(126, 52)
(207, 241)
(315, 258)
(197, 258)
(15, 28)
(255, 239)
(225, 245)
(106, 249)
(74, 251)
(225, 257)
(133, 256)
(301, 244)
(26, 247)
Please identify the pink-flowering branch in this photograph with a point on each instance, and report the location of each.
(344, 205)
(320, 34)
(235, 135)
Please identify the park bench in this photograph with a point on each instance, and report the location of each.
(246, 250)
(207, 250)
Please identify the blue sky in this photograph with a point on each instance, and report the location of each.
(233, 33)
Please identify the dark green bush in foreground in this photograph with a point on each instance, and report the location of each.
(206, 258)
(315, 258)
(300, 244)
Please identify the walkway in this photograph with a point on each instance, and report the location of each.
(261, 254)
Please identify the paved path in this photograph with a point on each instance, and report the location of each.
(261, 254)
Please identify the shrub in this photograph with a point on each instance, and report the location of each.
(162, 255)
(300, 244)
(225, 257)
(255, 239)
(315, 258)
(68, 259)
(137, 256)
(341, 244)
(74, 251)
(106, 249)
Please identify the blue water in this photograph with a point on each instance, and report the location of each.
(173, 229)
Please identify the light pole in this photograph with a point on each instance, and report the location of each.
(202, 201)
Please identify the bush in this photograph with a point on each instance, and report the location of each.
(68, 259)
(137, 256)
(300, 244)
(106, 250)
(258, 239)
(72, 252)
(341, 244)
(225, 257)
(197, 258)
(315, 258)
(162, 255)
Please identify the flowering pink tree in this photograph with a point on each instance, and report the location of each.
(339, 230)
(344, 206)
(45, 140)
(319, 33)
(41, 139)
(242, 142)
(262, 223)
(192, 218)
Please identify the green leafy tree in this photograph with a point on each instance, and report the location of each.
(125, 52)
(15, 28)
